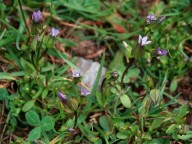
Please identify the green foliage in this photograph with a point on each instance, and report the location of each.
(32, 118)
(46, 124)
(147, 106)
(125, 100)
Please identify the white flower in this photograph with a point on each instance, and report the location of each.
(143, 41)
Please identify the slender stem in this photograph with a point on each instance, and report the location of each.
(20, 6)
(125, 71)
(102, 85)
(76, 116)
(105, 109)
(138, 121)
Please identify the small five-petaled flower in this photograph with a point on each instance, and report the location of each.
(76, 73)
(54, 32)
(143, 40)
(36, 16)
(161, 52)
(151, 18)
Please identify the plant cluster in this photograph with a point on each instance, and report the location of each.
(42, 96)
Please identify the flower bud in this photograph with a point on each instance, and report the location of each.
(62, 97)
(85, 92)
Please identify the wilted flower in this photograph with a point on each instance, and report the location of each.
(62, 97)
(161, 52)
(151, 18)
(76, 73)
(54, 32)
(114, 74)
(186, 58)
(36, 16)
(143, 41)
(85, 92)
(71, 129)
(161, 19)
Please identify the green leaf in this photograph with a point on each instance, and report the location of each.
(99, 98)
(47, 123)
(132, 73)
(44, 93)
(125, 100)
(155, 94)
(103, 123)
(122, 135)
(32, 118)
(186, 137)
(6, 76)
(182, 111)
(3, 93)
(156, 123)
(173, 85)
(7, 41)
(96, 83)
(26, 65)
(157, 141)
(35, 134)
(28, 105)
(171, 129)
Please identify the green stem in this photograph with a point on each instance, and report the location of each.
(76, 117)
(20, 6)
(4, 128)
(102, 85)
(125, 71)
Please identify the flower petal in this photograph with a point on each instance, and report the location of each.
(140, 39)
(144, 40)
(148, 42)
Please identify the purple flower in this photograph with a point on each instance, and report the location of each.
(143, 41)
(161, 52)
(85, 92)
(76, 73)
(62, 97)
(54, 32)
(71, 129)
(161, 19)
(151, 18)
(36, 16)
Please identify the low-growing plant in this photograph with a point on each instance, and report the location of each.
(42, 94)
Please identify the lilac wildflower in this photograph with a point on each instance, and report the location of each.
(54, 32)
(143, 41)
(36, 16)
(76, 73)
(161, 19)
(151, 18)
(161, 52)
(85, 92)
(62, 97)
(71, 129)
